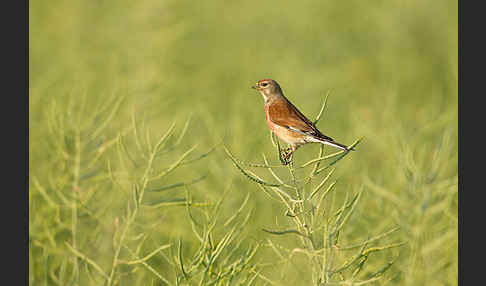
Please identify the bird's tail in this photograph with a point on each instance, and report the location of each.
(333, 143)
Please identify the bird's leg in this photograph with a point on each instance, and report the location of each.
(287, 154)
(284, 155)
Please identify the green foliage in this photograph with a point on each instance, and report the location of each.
(95, 224)
(134, 106)
(315, 219)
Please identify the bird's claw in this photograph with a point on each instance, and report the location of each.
(285, 156)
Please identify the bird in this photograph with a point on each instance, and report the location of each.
(287, 122)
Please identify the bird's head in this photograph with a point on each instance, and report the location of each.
(268, 88)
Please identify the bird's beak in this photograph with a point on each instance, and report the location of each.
(254, 86)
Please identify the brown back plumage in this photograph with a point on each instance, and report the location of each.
(287, 115)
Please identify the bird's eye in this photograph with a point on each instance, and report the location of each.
(264, 84)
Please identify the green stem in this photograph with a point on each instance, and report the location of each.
(74, 209)
(145, 180)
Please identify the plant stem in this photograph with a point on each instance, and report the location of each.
(131, 218)
(75, 190)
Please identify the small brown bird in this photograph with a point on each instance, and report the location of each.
(287, 122)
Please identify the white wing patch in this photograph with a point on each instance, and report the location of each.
(299, 131)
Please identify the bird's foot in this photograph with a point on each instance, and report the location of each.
(286, 156)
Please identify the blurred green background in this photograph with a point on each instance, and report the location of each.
(390, 68)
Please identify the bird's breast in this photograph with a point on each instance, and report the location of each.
(270, 124)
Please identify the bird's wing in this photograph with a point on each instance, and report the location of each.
(288, 116)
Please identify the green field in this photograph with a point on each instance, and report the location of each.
(149, 154)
